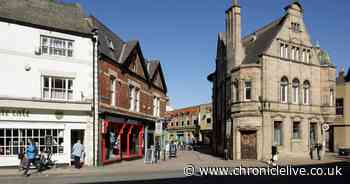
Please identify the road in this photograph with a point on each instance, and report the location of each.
(177, 177)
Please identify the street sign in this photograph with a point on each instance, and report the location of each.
(325, 127)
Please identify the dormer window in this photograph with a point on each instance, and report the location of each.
(296, 27)
(110, 44)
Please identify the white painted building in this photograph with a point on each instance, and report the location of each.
(46, 79)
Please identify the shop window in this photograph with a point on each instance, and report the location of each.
(14, 141)
(296, 130)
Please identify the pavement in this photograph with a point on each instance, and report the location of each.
(137, 170)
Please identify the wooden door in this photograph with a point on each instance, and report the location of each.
(248, 145)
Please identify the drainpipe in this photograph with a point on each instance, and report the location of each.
(95, 92)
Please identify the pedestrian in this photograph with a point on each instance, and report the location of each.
(31, 152)
(157, 149)
(78, 150)
(167, 148)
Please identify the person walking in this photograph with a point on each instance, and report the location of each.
(157, 149)
(31, 153)
(78, 150)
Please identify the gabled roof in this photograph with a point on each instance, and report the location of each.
(154, 66)
(259, 41)
(105, 35)
(45, 13)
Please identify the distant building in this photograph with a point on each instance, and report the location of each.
(189, 124)
(339, 134)
(273, 87)
(205, 123)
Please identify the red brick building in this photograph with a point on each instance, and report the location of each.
(132, 97)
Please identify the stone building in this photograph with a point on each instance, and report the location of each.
(190, 123)
(182, 124)
(132, 97)
(339, 133)
(205, 123)
(272, 87)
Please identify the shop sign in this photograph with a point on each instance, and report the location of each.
(17, 113)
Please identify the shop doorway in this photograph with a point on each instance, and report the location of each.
(248, 145)
(77, 135)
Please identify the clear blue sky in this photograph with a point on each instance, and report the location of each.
(183, 33)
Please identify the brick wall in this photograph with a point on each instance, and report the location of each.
(108, 69)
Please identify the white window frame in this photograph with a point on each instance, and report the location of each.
(134, 98)
(282, 50)
(156, 106)
(113, 86)
(54, 46)
(68, 93)
(246, 87)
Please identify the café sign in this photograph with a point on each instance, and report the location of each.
(18, 113)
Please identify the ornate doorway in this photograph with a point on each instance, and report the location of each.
(248, 145)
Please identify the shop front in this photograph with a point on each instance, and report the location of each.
(121, 140)
(50, 131)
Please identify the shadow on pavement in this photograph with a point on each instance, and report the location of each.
(257, 179)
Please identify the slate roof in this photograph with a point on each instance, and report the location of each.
(105, 35)
(47, 13)
(264, 36)
(152, 67)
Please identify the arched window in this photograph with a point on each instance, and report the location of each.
(296, 88)
(284, 90)
(306, 98)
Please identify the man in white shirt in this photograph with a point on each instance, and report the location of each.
(77, 152)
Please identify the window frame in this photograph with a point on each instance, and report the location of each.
(248, 88)
(67, 89)
(56, 46)
(296, 130)
(284, 85)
